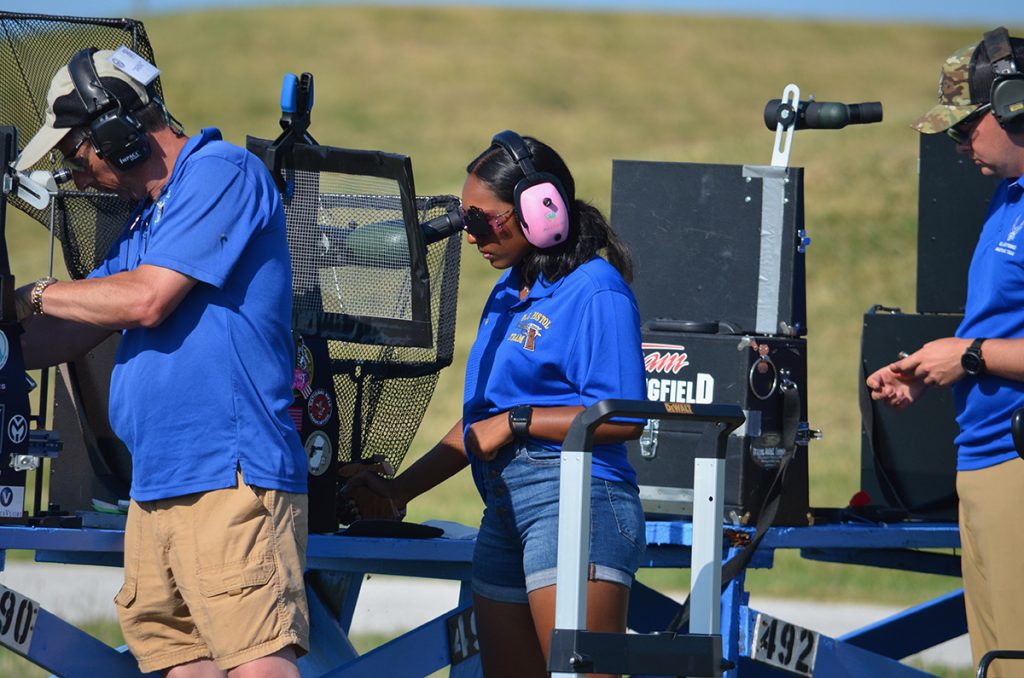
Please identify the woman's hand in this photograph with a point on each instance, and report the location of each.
(487, 436)
(368, 495)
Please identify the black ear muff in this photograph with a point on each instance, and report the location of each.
(116, 134)
(540, 202)
(1007, 94)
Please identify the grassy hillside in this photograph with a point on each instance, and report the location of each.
(437, 83)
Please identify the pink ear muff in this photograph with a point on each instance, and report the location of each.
(538, 197)
(543, 215)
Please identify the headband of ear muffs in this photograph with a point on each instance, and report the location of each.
(1007, 94)
(539, 199)
(116, 134)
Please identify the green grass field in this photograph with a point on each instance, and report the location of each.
(437, 83)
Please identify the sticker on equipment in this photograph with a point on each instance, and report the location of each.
(18, 616)
(784, 645)
(319, 452)
(132, 64)
(17, 429)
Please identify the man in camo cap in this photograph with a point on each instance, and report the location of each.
(981, 108)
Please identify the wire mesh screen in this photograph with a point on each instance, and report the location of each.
(356, 261)
(32, 48)
(364, 278)
(383, 391)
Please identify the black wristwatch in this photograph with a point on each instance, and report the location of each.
(971, 360)
(519, 420)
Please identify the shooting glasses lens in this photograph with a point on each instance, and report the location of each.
(479, 224)
(71, 160)
(961, 132)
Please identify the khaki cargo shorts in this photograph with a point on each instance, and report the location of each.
(214, 575)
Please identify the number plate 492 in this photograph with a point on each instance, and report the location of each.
(784, 645)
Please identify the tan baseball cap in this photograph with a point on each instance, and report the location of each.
(65, 108)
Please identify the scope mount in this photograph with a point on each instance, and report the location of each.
(786, 126)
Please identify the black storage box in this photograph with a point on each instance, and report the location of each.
(908, 459)
(953, 200)
(708, 367)
(715, 242)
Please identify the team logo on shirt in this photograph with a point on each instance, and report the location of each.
(1018, 224)
(160, 204)
(530, 327)
(1008, 246)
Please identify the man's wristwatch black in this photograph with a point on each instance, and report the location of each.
(519, 420)
(971, 360)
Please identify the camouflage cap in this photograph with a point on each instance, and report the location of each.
(956, 101)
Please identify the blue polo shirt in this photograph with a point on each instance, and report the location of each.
(575, 341)
(995, 308)
(207, 391)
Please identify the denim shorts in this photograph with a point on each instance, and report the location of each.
(516, 548)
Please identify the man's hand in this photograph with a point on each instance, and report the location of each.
(487, 436)
(937, 363)
(893, 388)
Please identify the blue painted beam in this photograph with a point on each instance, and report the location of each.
(70, 652)
(329, 645)
(106, 559)
(925, 562)
(64, 539)
(649, 610)
(914, 630)
(432, 569)
(419, 652)
(340, 547)
(839, 535)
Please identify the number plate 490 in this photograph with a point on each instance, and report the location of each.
(17, 620)
(784, 645)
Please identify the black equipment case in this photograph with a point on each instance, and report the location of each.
(753, 372)
(719, 279)
(908, 459)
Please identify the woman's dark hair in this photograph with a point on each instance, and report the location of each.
(589, 232)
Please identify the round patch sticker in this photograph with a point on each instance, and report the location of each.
(17, 429)
(5, 349)
(319, 452)
(320, 407)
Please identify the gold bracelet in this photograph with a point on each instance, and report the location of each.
(37, 294)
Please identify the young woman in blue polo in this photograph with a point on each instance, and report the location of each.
(560, 331)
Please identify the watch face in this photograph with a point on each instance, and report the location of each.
(971, 362)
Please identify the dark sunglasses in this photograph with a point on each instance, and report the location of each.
(479, 224)
(71, 160)
(961, 132)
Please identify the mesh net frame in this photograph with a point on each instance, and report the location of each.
(32, 48)
(364, 278)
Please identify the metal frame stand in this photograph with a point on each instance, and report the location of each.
(337, 565)
(575, 650)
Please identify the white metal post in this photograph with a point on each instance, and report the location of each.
(573, 543)
(706, 553)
